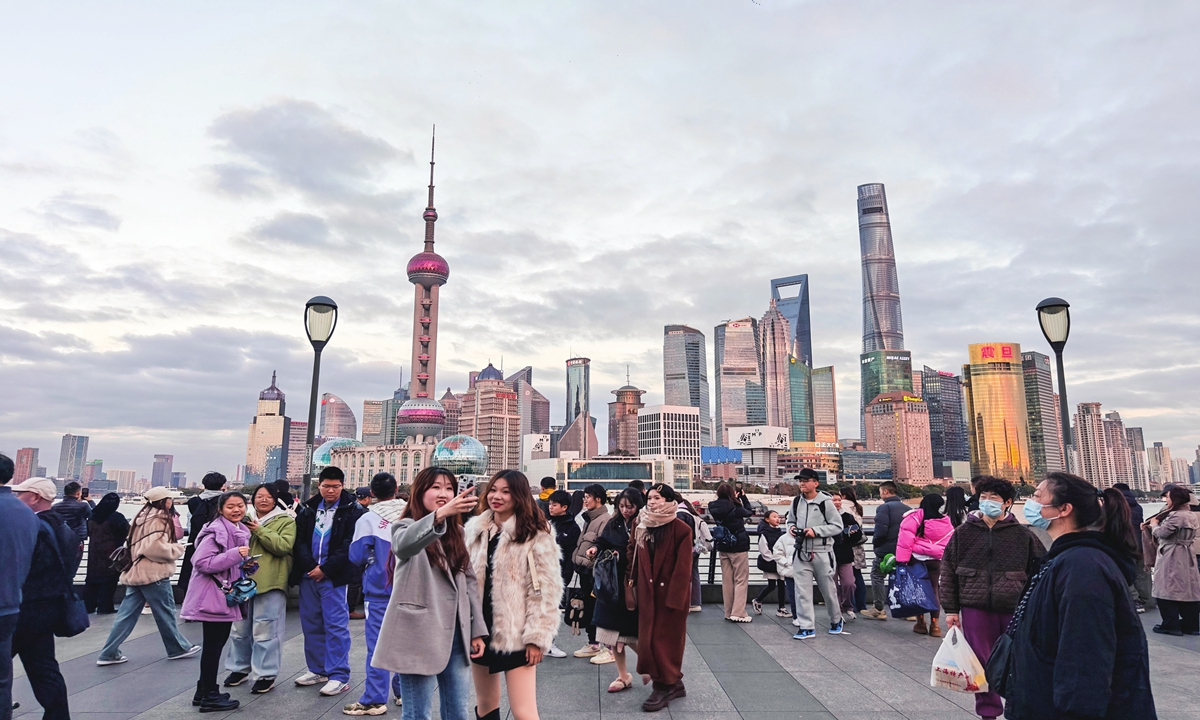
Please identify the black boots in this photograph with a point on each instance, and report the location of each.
(493, 715)
(662, 695)
(212, 700)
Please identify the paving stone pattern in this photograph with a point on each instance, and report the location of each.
(877, 671)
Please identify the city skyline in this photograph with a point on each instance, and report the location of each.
(155, 272)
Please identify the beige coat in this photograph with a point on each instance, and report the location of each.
(597, 518)
(1175, 574)
(417, 634)
(526, 584)
(153, 551)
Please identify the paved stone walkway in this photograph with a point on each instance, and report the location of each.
(880, 671)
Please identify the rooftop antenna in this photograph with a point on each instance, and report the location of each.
(626, 374)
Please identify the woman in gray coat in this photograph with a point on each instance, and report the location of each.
(434, 615)
(1176, 578)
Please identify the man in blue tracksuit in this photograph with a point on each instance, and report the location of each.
(18, 534)
(321, 567)
(372, 551)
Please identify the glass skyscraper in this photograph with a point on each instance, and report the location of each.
(337, 419)
(579, 388)
(741, 399)
(942, 391)
(824, 404)
(883, 367)
(997, 420)
(775, 343)
(885, 371)
(1045, 437)
(685, 374)
(795, 308)
(800, 381)
(72, 457)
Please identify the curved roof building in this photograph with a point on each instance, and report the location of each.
(337, 419)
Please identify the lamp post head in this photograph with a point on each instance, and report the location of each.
(1054, 315)
(320, 319)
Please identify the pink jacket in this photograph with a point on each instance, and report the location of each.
(217, 558)
(932, 543)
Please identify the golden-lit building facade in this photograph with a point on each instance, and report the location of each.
(996, 416)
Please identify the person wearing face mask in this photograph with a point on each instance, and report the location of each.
(984, 568)
(1078, 648)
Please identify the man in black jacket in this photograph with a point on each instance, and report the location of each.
(321, 567)
(44, 597)
(884, 538)
(75, 512)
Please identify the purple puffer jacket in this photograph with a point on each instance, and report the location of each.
(216, 557)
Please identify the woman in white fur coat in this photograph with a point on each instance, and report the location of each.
(516, 560)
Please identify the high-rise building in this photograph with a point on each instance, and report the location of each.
(775, 345)
(124, 479)
(1120, 455)
(800, 396)
(453, 410)
(421, 416)
(1180, 471)
(178, 479)
(1091, 447)
(580, 438)
(670, 430)
(160, 475)
(1160, 465)
(741, 400)
(92, 470)
(997, 421)
(790, 295)
(579, 388)
(1041, 405)
(623, 420)
(824, 402)
(489, 414)
(883, 329)
(685, 374)
(942, 392)
(372, 424)
(533, 407)
(1137, 456)
(72, 456)
(26, 465)
(269, 439)
(898, 424)
(296, 447)
(337, 419)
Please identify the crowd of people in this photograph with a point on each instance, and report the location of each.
(469, 586)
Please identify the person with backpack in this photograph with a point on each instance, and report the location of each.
(843, 554)
(924, 533)
(886, 533)
(701, 543)
(147, 563)
(202, 509)
(814, 521)
(768, 534)
(733, 542)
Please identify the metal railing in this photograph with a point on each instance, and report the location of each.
(710, 573)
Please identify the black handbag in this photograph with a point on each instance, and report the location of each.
(74, 617)
(999, 663)
(607, 585)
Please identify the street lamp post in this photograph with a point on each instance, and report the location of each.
(1054, 315)
(320, 318)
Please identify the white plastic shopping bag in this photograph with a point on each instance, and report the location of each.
(955, 666)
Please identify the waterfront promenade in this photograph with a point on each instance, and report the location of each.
(879, 671)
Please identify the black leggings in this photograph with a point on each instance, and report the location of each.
(216, 634)
(772, 584)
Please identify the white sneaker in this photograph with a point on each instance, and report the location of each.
(555, 652)
(117, 661)
(588, 651)
(796, 622)
(310, 678)
(849, 614)
(603, 657)
(190, 652)
(695, 608)
(146, 610)
(335, 687)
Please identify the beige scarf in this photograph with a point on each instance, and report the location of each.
(649, 518)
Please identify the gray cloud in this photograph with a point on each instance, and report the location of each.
(288, 228)
(73, 211)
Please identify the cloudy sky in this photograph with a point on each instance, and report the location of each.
(177, 181)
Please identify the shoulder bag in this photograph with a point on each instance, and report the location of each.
(74, 618)
(631, 581)
(999, 664)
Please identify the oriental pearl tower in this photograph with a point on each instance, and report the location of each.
(421, 415)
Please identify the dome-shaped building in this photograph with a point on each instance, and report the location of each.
(490, 373)
(322, 455)
(421, 416)
(461, 455)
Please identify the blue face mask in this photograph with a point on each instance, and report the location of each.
(991, 508)
(1033, 514)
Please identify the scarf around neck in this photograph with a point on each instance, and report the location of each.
(648, 518)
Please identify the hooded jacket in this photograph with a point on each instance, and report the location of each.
(932, 543)
(819, 515)
(337, 566)
(371, 549)
(215, 566)
(594, 522)
(1080, 650)
(986, 568)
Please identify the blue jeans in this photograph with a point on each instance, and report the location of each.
(453, 686)
(162, 605)
(255, 644)
(860, 591)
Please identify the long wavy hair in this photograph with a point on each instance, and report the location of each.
(449, 552)
(529, 519)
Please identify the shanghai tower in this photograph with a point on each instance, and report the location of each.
(885, 365)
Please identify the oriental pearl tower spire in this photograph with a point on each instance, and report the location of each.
(427, 271)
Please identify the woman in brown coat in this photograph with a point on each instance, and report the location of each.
(1176, 578)
(662, 571)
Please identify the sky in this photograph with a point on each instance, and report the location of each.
(177, 180)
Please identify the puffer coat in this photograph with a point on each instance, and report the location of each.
(1176, 576)
(986, 568)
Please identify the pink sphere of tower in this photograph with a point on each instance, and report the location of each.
(428, 268)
